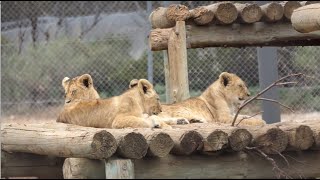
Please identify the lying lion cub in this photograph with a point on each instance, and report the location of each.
(216, 104)
(126, 110)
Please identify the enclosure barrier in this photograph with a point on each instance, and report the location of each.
(187, 151)
(147, 153)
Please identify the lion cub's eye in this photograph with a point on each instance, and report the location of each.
(240, 85)
(73, 92)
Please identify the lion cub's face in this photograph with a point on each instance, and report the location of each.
(150, 98)
(79, 88)
(235, 89)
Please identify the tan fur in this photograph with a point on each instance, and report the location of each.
(216, 104)
(126, 110)
(79, 88)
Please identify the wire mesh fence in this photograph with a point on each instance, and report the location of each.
(43, 42)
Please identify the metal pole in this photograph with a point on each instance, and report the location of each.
(150, 57)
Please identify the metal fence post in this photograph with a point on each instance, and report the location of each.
(268, 73)
(150, 57)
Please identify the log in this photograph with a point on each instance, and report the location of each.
(299, 137)
(159, 143)
(306, 18)
(201, 15)
(136, 148)
(30, 165)
(289, 7)
(165, 17)
(271, 140)
(257, 34)
(248, 13)
(224, 12)
(232, 165)
(271, 12)
(178, 67)
(83, 168)
(78, 142)
(219, 137)
(304, 3)
(185, 141)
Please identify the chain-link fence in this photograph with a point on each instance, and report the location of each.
(42, 42)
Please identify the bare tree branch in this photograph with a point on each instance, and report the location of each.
(279, 172)
(249, 117)
(275, 101)
(276, 83)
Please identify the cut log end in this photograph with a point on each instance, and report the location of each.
(226, 13)
(300, 138)
(201, 15)
(104, 144)
(250, 13)
(188, 143)
(272, 12)
(273, 141)
(239, 139)
(215, 141)
(160, 144)
(133, 145)
(177, 12)
(289, 7)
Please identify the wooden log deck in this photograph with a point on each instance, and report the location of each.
(186, 151)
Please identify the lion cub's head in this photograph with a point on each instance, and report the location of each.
(79, 88)
(233, 88)
(150, 98)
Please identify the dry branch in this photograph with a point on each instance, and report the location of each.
(276, 83)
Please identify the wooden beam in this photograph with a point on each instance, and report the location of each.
(271, 12)
(248, 13)
(31, 165)
(289, 7)
(236, 35)
(236, 165)
(307, 18)
(178, 67)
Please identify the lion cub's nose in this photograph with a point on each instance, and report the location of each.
(248, 94)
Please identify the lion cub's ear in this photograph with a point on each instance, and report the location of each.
(86, 80)
(133, 83)
(65, 82)
(144, 86)
(225, 78)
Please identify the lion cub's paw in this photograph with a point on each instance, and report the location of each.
(183, 121)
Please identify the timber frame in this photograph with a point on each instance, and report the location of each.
(187, 151)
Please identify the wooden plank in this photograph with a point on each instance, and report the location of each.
(237, 35)
(31, 165)
(178, 67)
(119, 169)
(83, 168)
(227, 166)
(307, 18)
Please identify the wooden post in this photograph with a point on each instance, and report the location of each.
(178, 68)
(119, 169)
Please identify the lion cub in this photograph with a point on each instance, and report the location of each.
(126, 110)
(216, 104)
